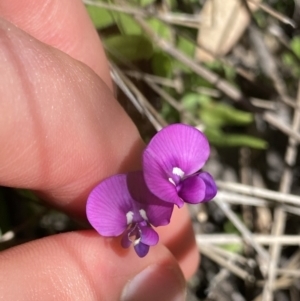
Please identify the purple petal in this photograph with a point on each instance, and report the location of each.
(141, 249)
(125, 241)
(158, 181)
(108, 205)
(157, 211)
(211, 188)
(149, 236)
(192, 189)
(159, 214)
(176, 146)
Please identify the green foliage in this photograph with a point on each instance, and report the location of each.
(220, 138)
(129, 47)
(161, 64)
(291, 60)
(143, 3)
(295, 45)
(169, 113)
(231, 229)
(160, 28)
(217, 115)
(191, 101)
(131, 44)
(224, 70)
(127, 25)
(27, 194)
(101, 18)
(233, 248)
(186, 46)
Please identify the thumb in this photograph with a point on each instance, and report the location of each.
(61, 129)
(83, 266)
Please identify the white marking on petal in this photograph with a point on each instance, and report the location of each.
(143, 214)
(137, 241)
(129, 217)
(178, 172)
(172, 181)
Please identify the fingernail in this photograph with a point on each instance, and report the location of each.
(156, 282)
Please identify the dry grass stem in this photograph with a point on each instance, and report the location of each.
(154, 117)
(262, 239)
(247, 235)
(220, 83)
(271, 106)
(233, 256)
(280, 214)
(228, 264)
(277, 15)
(260, 193)
(163, 81)
(238, 199)
(186, 20)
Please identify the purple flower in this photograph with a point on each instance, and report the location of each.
(171, 164)
(124, 204)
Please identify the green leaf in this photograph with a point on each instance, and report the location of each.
(161, 64)
(172, 4)
(28, 194)
(186, 46)
(101, 18)
(234, 248)
(191, 101)
(127, 25)
(219, 138)
(231, 229)
(169, 113)
(214, 65)
(160, 28)
(213, 113)
(229, 73)
(143, 3)
(295, 45)
(288, 59)
(130, 47)
(219, 114)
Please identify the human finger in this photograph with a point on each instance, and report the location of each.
(63, 24)
(179, 237)
(62, 132)
(83, 266)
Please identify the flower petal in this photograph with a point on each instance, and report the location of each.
(108, 205)
(125, 241)
(175, 150)
(141, 249)
(159, 182)
(192, 189)
(180, 145)
(148, 236)
(158, 212)
(211, 187)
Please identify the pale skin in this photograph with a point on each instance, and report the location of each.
(61, 133)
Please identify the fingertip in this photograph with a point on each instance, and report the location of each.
(64, 25)
(85, 266)
(179, 238)
(62, 130)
